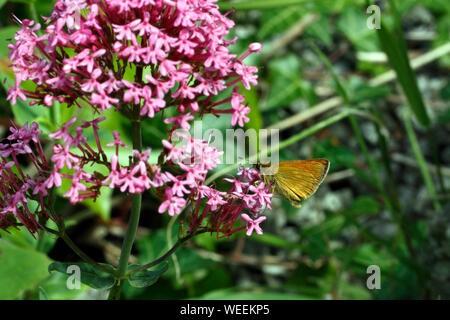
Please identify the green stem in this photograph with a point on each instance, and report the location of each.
(82, 255)
(133, 223)
(176, 265)
(61, 232)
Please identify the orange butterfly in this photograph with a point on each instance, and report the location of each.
(297, 180)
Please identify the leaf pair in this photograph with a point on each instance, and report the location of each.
(100, 280)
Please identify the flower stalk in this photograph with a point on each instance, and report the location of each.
(133, 223)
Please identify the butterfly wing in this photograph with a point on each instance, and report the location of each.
(298, 180)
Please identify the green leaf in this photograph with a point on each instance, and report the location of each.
(23, 238)
(352, 23)
(89, 275)
(146, 278)
(444, 117)
(6, 34)
(251, 97)
(321, 30)
(20, 237)
(56, 288)
(217, 278)
(102, 205)
(20, 269)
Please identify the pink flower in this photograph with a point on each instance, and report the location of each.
(238, 185)
(145, 27)
(184, 45)
(161, 86)
(253, 225)
(151, 105)
(262, 194)
(112, 85)
(132, 94)
(249, 174)
(92, 84)
(175, 154)
(215, 199)
(178, 186)
(88, 59)
(62, 157)
(240, 111)
(181, 121)
(114, 176)
(103, 100)
(247, 74)
(168, 67)
(15, 93)
(159, 178)
(74, 191)
(173, 205)
(53, 180)
(63, 132)
(130, 182)
(117, 143)
(126, 31)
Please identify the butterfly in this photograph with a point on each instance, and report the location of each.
(296, 180)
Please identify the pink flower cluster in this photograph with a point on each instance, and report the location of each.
(176, 48)
(188, 164)
(138, 57)
(222, 209)
(21, 196)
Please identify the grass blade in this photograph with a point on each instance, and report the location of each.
(393, 44)
(420, 159)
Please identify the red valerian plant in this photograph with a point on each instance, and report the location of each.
(179, 56)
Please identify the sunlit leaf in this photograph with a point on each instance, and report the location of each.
(20, 269)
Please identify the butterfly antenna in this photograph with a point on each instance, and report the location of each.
(16, 20)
